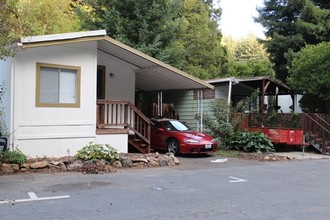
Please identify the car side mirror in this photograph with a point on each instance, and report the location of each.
(160, 130)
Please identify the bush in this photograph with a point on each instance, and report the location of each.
(14, 157)
(95, 152)
(250, 142)
(218, 124)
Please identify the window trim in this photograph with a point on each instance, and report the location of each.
(58, 66)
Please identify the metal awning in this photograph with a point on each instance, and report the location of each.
(267, 87)
(265, 84)
(151, 74)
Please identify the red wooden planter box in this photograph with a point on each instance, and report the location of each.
(282, 136)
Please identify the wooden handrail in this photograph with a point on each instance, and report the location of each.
(123, 114)
(317, 123)
(314, 126)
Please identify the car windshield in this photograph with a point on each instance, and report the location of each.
(175, 126)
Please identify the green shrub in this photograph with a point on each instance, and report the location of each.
(95, 152)
(250, 142)
(14, 157)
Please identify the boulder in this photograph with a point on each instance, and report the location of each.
(163, 161)
(117, 164)
(76, 165)
(9, 168)
(39, 165)
(126, 161)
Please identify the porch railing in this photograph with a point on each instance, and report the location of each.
(318, 125)
(123, 115)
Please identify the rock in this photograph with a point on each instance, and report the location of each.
(171, 160)
(154, 163)
(55, 163)
(101, 163)
(117, 164)
(163, 161)
(62, 166)
(76, 165)
(25, 166)
(139, 159)
(23, 169)
(39, 165)
(175, 159)
(169, 154)
(9, 168)
(266, 158)
(126, 161)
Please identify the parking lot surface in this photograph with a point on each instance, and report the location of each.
(196, 189)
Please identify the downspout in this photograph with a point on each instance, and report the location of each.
(229, 91)
(262, 99)
(12, 105)
(201, 118)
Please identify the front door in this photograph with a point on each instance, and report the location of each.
(100, 82)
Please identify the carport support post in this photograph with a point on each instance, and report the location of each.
(201, 111)
(160, 104)
(229, 90)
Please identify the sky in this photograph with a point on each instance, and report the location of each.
(237, 18)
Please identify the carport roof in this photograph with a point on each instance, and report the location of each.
(268, 84)
(151, 74)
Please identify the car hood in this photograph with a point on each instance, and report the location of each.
(195, 135)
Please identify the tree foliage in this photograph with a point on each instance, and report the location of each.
(291, 24)
(182, 33)
(310, 73)
(8, 10)
(38, 17)
(247, 57)
(34, 17)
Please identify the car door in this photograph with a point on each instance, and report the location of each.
(157, 135)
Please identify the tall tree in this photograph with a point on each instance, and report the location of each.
(247, 57)
(201, 38)
(291, 24)
(310, 74)
(38, 17)
(146, 25)
(34, 17)
(7, 21)
(182, 33)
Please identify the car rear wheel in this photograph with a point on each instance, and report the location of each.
(173, 146)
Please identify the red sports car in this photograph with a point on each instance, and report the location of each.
(176, 137)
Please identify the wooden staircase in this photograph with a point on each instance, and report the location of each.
(123, 116)
(317, 131)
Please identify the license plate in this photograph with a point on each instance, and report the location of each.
(208, 146)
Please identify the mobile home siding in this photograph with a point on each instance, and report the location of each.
(5, 80)
(54, 131)
(186, 104)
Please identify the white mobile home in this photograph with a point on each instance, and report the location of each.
(65, 90)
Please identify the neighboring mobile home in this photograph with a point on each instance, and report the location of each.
(192, 103)
(65, 90)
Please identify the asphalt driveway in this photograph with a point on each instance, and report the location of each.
(196, 189)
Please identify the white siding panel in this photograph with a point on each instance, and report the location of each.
(122, 85)
(117, 141)
(39, 123)
(5, 77)
(52, 147)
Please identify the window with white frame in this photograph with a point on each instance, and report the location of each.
(57, 85)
